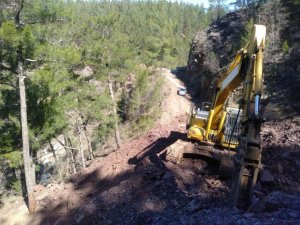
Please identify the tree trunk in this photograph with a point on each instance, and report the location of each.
(117, 132)
(88, 140)
(81, 149)
(28, 164)
(69, 146)
(73, 162)
(69, 153)
(84, 131)
(67, 166)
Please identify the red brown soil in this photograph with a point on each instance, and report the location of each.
(130, 180)
(135, 186)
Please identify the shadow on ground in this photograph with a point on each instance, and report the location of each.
(151, 192)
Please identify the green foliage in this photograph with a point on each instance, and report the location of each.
(105, 129)
(14, 40)
(9, 120)
(141, 104)
(297, 2)
(15, 159)
(247, 32)
(46, 108)
(10, 43)
(113, 38)
(27, 42)
(16, 185)
(217, 9)
(285, 47)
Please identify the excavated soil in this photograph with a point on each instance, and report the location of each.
(134, 185)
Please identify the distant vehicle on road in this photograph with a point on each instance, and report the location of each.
(181, 91)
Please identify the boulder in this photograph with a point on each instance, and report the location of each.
(266, 176)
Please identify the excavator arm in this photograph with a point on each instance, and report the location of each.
(226, 85)
(248, 158)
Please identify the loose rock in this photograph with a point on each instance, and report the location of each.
(266, 176)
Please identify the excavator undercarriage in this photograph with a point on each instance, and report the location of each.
(241, 165)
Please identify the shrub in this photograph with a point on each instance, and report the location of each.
(285, 47)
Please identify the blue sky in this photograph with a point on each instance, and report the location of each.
(204, 2)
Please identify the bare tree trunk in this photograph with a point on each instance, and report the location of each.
(67, 167)
(82, 130)
(117, 132)
(53, 151)
(69, 153)
(69, 146)
(28, 164)
(81, 149)
(89, 144)
(73, 162)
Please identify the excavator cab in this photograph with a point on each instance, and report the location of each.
(198, 118)
(206, 106)
(232, 128)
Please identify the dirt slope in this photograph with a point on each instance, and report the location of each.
(118, 174)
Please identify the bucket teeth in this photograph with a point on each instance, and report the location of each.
(175, 152)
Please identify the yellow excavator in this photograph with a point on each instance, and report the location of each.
(232, 134)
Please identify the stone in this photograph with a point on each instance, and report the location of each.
(279, 199)
(297, 121)
(248, 215)
(213, 183)
(266, 176)
(194, 205)
(279, 168)
(286, 155)
(175, 203)
(259, 194)
(38, 188)
(167, 176)
(295, 215)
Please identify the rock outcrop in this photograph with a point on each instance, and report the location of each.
(213, 49)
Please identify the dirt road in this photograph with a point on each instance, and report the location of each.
(173, 105)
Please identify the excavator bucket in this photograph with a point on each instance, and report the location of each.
(174, 152)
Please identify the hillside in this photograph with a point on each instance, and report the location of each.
(73, 56)
(213, 49)
(96, 70)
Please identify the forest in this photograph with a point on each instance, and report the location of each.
(70, 51)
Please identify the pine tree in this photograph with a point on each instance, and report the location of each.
(18, 45)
